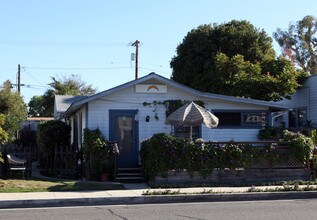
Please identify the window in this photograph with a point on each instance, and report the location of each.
(242, 119)
(229, 118)
(254, 119)
(183, 132)
(302, 117)
(297, 118)
(292, 119)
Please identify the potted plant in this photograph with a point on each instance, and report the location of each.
(105, 168)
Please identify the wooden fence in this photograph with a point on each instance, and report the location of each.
(62, 163)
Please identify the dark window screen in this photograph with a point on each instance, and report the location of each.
(229, 118)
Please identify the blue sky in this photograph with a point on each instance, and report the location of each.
(91, 38)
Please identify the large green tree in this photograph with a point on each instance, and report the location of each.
(299, 43)
(66, 85)
(235, 59)
(13, 109)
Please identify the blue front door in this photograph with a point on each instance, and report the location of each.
(124, 130)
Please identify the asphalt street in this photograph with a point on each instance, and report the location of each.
(281, 209)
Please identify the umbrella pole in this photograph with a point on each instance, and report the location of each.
(191, 133)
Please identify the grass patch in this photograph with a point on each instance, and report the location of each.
(33, 185)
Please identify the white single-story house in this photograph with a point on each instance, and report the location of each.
(303, 105)
(134, 111)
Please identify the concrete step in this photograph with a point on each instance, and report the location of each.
(129, 175)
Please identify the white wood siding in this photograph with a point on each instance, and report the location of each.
(306, 97)
(127, 99)
(312, 90)
(220, 134)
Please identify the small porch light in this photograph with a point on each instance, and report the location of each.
(147, 118)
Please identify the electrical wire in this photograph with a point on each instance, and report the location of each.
(75, 68)
(62, 44)
(157, 71)
(23, 68)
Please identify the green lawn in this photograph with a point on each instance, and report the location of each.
(33, 185)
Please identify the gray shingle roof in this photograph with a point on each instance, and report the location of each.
(273, 105)
(62, 102)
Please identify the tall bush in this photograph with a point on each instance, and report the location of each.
(301, 145)
(99, 154)
(50, 136)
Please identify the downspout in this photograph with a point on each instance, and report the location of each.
(275, 116)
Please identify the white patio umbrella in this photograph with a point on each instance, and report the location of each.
(192, 115)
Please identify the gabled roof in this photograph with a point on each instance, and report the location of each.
(63, 102)
(169, 82)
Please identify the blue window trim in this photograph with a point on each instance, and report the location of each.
(242, 112)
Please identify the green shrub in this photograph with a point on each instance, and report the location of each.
(301, 145)
(51, 135)
(313, 136)
(163, 152)
(99, 154)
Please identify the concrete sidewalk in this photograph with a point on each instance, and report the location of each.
(142, 194)
(133, 194)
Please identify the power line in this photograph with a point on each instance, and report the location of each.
(63, 44)
(158, 71)
(75, 68)
(32, 76)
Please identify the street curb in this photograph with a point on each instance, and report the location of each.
(156, 199)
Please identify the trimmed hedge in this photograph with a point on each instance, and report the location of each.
(164, 152)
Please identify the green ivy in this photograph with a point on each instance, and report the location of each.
(170, 105)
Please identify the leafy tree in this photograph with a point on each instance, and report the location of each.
(299, 43)
(67, 85)
(13, 108)
(3, 134)
(235, 59)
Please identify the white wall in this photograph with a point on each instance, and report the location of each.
(98, 116)
(306, 97)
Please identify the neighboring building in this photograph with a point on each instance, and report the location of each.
(127, 114)
(32, 122)
(303, 105)
(62, 103)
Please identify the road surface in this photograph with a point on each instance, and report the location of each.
(282, 209)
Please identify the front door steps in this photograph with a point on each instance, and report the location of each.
(129, 175)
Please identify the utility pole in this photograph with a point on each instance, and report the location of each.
(19, 78)
(136, 45)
